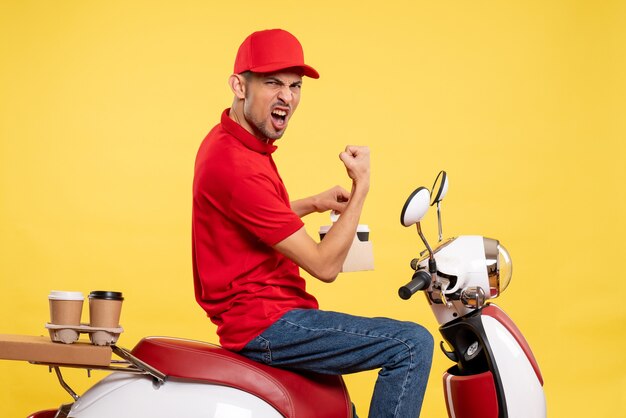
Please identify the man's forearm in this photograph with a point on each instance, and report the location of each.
(325, 259)
(337, 242)
(303, 207)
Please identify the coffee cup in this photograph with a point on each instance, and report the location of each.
(66, 308)
(362, 232)
(323, 230)
(105, 308)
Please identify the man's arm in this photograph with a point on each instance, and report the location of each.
(333, 199)
(324, 260)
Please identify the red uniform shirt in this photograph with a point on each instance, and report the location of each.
(240, 209)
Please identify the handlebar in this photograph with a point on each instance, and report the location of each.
(421, 280)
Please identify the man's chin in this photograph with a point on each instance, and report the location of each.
(265, 132)
(277, 133)
(274, 134)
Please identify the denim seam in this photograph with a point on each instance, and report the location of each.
(408, 346)
(267, 354)
(406, 379)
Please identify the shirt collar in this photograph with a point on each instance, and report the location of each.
(245, 137)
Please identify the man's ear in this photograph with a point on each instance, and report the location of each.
(238, 85)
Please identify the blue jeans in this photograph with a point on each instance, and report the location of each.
(336, 343)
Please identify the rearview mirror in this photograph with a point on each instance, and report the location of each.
(415, 207)
(440, 188)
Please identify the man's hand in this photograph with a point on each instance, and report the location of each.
(332, 199)
(357, 161)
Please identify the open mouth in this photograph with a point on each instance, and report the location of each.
(279, 118)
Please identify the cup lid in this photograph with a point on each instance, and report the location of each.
(106, 294)
(64, 295)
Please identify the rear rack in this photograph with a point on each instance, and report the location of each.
(128, 364)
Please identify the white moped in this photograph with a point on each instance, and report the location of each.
(495, 375)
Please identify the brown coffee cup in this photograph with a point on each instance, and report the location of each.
(105, 308)
(65, 307)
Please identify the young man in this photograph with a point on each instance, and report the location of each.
(249, 242)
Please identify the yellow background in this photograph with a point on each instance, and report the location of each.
(103, 106)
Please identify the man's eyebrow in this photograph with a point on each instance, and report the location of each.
(272, 78)
(278, 80)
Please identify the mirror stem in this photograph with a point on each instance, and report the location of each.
(432, 264)
(439, 220)
(419, 231)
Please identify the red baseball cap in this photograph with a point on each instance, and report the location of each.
(271, 50)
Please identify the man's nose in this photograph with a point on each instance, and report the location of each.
(285, 94)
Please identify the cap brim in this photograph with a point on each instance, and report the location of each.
(306, 70)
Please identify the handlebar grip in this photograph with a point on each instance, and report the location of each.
(421, 281)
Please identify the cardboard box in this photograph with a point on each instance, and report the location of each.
(42, 350)
(360, 257)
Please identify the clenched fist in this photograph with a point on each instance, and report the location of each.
(357, 161)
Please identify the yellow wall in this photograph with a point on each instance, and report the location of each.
(103, 106)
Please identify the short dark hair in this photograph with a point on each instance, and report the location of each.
(247, 75)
